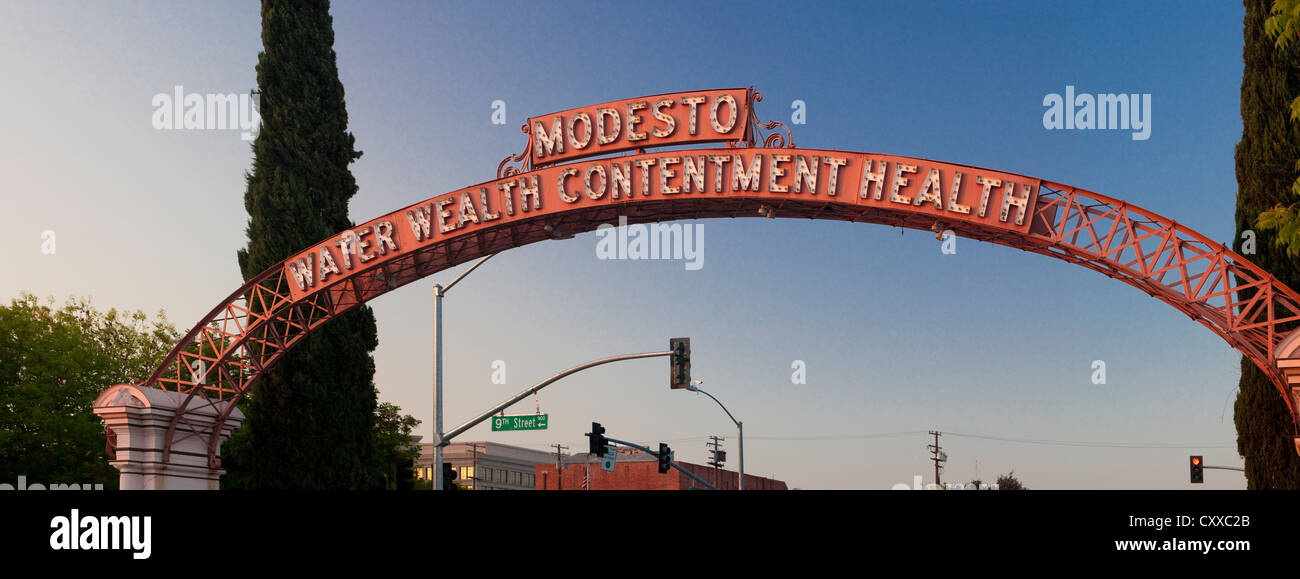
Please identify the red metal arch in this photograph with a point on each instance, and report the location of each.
(253, 327)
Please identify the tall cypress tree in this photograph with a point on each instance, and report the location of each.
(1265, 157)
(310, 419)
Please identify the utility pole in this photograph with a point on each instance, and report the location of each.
(559, 465)
(937, 456)
(713, 458)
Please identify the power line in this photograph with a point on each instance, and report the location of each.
(842, 436)
(1100, 445)
(1081, 443)
(1047, 442)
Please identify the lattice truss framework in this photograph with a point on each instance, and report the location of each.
(221, 357)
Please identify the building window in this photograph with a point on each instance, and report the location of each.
(466, 473)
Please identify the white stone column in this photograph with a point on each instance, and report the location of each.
(139, 418)
(1287, 355)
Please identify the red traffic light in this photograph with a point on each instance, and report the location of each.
(1196, 461)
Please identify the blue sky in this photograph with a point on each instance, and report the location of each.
(897, 337)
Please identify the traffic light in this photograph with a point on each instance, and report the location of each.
(679, 372)
(1198, 470)
(665, 458)
(597, 444)
(448, 475)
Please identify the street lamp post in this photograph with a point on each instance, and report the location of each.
(740, 427)
(438, 292)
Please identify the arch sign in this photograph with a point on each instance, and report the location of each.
(629, 159)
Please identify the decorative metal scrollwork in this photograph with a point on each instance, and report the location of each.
(755, 128)
(524, 159)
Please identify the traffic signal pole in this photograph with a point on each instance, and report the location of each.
(1198, 467)
(655, 454)
(453, 433)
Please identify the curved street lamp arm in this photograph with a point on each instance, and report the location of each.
(467, 272)
(724, 408)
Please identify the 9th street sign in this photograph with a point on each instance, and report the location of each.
(520, 422)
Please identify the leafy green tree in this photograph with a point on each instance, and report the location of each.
(1009, 482)
(397, 454)
(53, 364)
(1282, 25)
(1266, 160)
(309, 420)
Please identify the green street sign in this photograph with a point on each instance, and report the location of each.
(519, 422)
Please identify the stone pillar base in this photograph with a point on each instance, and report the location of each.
(138, 419)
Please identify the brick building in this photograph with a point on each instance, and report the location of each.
(640, 471)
